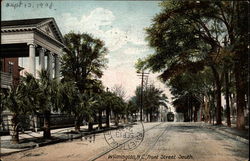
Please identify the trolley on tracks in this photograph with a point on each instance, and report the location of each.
(170, 116)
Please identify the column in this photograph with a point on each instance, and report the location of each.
(57, 66)
(32, 59)
(49, 65)
(42, 59)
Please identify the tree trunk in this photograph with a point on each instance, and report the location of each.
(195, 115)
(232, 102)
(151, 116)
(147, 116)
(206, 109)
(100, 119)
(124, 118)
(218, 96)
(201, 114)
(127, 118)
(107, 117)
(227, 98)
(14, 132)
(191, 108)
(78, 121)
(90, 126)
(240, 97)
(46, 128)
(190, 114)
(116, 120)
(210, 116)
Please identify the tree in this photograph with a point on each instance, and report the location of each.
(192, 90)
(153, 98)
(132, 107)
(187, 35)
(118, 106)
(21, 100)
(84, 59)
(48, 99)
(119, 91)
(83, 63)
(108, 101)
(71, 102)
(14, 102)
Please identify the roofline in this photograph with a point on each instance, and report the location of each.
(24, 20)
(52, 19)
(17, 26)
(14, 29)
(33, 26)
(41, 32)
(21, 29)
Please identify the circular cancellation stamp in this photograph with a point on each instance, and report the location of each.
(125, 138)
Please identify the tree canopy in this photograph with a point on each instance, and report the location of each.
(188, 36)
(84, 60)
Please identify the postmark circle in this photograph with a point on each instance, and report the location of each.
(128, 137)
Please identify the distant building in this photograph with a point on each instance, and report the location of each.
(163, 113)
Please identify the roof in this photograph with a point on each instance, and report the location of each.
(29, 24)
(23, 22)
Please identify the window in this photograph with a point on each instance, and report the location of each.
(10, 67)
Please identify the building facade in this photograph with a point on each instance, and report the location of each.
(28, 45)
(31, 45)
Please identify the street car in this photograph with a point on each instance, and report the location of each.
(170, 116)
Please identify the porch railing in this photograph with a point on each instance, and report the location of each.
(5, 79)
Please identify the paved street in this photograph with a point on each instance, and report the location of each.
(162, 141)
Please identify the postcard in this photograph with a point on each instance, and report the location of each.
(128, 80)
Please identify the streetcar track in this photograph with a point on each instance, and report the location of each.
(109, 150)
(153, 145)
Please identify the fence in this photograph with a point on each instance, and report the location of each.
(35, 123)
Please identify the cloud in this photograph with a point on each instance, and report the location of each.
(101, 23)
(134, 51)
(100, 16)
(115, 39)
(125, 45)
(137, 36)
(89, 22)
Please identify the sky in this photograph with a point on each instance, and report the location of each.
(119, 24)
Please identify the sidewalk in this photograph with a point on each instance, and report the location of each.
(29, 139)
(232, 132)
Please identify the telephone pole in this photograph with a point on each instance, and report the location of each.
(142, 75)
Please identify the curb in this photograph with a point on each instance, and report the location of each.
(236, 137)
(60, 140)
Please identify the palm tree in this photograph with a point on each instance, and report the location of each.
(3, 96)
(21, 100)
(15, 103)
(48, 99)
(153, 98)
(70, 101)
(99, 106)
(78, 104)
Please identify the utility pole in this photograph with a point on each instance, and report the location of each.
(142, 75)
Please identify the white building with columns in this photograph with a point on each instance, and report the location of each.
(29, 45)
(37, 43)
